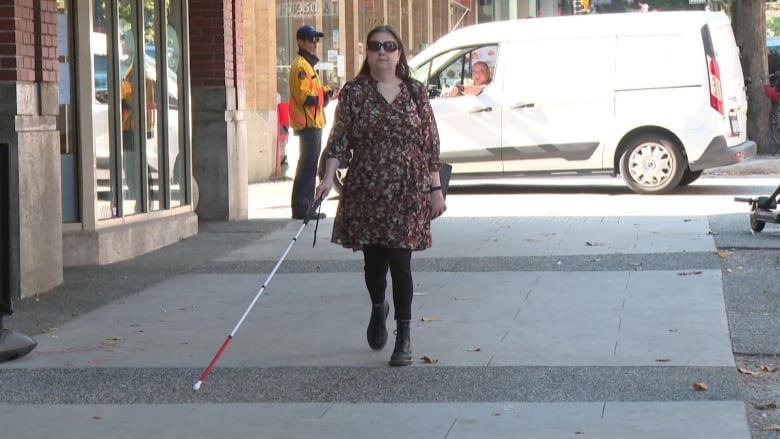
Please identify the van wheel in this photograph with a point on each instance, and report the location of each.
(689, 177)
(652, 164)
(338, 181)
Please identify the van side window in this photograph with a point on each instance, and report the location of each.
(453, 73)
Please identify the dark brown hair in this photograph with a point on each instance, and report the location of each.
(402, 69)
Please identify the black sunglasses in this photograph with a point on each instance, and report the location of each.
(313, 39)
(389, 46)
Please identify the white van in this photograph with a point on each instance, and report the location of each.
(655, 97)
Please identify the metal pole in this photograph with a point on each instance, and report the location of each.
(12, 344)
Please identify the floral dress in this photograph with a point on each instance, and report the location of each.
(390, 150)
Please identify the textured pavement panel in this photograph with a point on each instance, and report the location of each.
(606, 420)
(508, 236)
(463, 319)
(534, 327)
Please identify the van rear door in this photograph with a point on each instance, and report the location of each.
(558, 103)
(732, 81)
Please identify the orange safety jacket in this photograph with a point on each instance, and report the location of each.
(126, 93)
(307, 95)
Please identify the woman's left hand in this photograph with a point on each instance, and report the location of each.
(438, 206)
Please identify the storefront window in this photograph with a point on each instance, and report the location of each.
(129, 84)
(105, 154)
(324, 16)
(175, 87)
(142, 167)
(155, 149)
(66, 123)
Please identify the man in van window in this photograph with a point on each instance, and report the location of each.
(480, 75)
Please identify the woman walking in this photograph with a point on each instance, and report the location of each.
(385, 133)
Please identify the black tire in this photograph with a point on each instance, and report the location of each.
(341, 175)
(652, 164)
(756, 225)
(689, 177)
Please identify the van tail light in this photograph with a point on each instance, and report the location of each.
(716, 94)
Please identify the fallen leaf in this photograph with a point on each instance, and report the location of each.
(495, 414)
(772, 427)
(186, 308)
(746, 371)
(594, 244)
(473, 350)
(430, 319)
(766, 368)
(767, 406)
(688, 273)
(96, 417)
(461, 298)
(428, 360)
(724, 253)
(112, 341)
(699, 386)
(663, 360)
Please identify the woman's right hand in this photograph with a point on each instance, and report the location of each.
(323, 189)
(326, 184)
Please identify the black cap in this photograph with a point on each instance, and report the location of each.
(307, 32)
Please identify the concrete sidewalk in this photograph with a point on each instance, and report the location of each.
(524, 327)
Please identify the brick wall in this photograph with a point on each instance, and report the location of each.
(28, 40)
(260, 55)
(216, 43)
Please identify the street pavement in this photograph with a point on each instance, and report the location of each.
(524, 327)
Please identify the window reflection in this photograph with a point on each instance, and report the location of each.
(105, 154)
(155, 149)
(175, 116)
(66, 123)
(130, 102)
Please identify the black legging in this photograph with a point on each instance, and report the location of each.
(377, 260)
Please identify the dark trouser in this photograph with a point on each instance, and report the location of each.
(310, 141)
(377, 260)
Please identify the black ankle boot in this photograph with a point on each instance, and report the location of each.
(402, 354)
(377, 332)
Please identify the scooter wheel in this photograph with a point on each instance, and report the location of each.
(756, 224)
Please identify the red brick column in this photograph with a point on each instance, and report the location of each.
(219, 144)
(216, 43)
(28, 41)
(28, 83)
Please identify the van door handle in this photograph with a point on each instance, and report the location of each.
(522, 105)
(481, 109)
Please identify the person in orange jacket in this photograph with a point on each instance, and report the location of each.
(308, 98)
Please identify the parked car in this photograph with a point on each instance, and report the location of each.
(656, 98)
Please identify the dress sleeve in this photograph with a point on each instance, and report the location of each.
(430, 132)
(338, 141)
